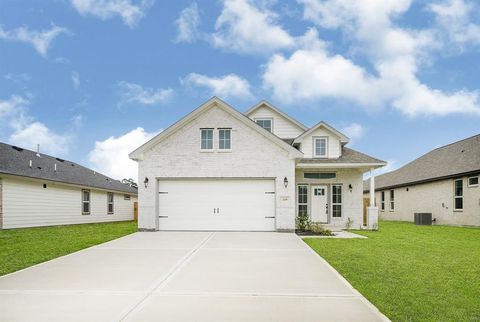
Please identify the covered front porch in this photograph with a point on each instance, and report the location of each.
(332, 195)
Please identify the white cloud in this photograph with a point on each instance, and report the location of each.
(225, 86)
(75, 80)
(14, 105)
(40, 40)
(187, 24)
(313, 73)
(30, 135)
(246, 28)
(354, 131)
(111, 155)
(130, 12)
(455, 19)
(26, 132)
(136, 94)
(77, 121)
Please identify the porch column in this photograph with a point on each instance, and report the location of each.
(372, 188)
(372, 211)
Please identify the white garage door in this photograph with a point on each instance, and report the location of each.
(220, 204)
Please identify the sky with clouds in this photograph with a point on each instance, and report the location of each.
(90, 80)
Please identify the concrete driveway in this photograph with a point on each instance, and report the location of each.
(185, 276)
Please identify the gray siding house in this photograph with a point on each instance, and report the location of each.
(40, 190)
(444, 182)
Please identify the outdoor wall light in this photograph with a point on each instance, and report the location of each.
(145, 182)
(350, 187)
(285, 182)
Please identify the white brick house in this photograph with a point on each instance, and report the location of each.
(219, 169)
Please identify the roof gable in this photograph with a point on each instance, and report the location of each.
(342, 137)
(276, 110)
(138, 154)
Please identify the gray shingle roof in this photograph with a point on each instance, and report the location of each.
(348, 156)
(16, 161)
(462, 157)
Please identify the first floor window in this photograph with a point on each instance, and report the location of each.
(392, 199)
(224, 139)
(320, 147)
(206, 139)
(302, 195)
(382, 200)
(86, 202)
(336, 201)
(458, 194)
(265, 123)
(110, 202)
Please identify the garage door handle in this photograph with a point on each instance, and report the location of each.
(269, 216)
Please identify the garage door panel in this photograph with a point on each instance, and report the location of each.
(242, 204)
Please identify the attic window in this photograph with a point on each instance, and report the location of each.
(267, 124)
(17, 148)
(320, 147)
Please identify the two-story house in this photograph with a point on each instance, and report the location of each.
(219, 169)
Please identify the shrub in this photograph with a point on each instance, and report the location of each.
(319, 229)
(303, 221)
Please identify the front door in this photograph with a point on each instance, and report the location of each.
(319, 204)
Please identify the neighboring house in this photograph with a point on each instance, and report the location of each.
(219, 169)
(41, 190)
(443, 182)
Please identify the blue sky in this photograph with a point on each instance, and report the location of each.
(91, 80)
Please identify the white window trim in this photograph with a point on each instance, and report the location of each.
(213, 140)
(231, 140)
(457, 197)
(391, 201)
(264, 119)
(89, 202)
(314, 139)
(308, 198)
(382, 201)
(336, 203)
(472, 185)
(113, 203)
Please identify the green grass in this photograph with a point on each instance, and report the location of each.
(20, 248)
(412, 273)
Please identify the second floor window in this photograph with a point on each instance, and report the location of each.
(320, 147)
(224, 139)
(265, 123)
(206, 139)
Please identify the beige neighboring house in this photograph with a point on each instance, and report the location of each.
(220, 169)
(41, 190)
(444, 182)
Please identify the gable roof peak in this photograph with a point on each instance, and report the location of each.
(138, 154)
(277, 110)
(343, 138)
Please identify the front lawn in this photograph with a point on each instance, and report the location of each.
(20, 248)
(412, 273)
